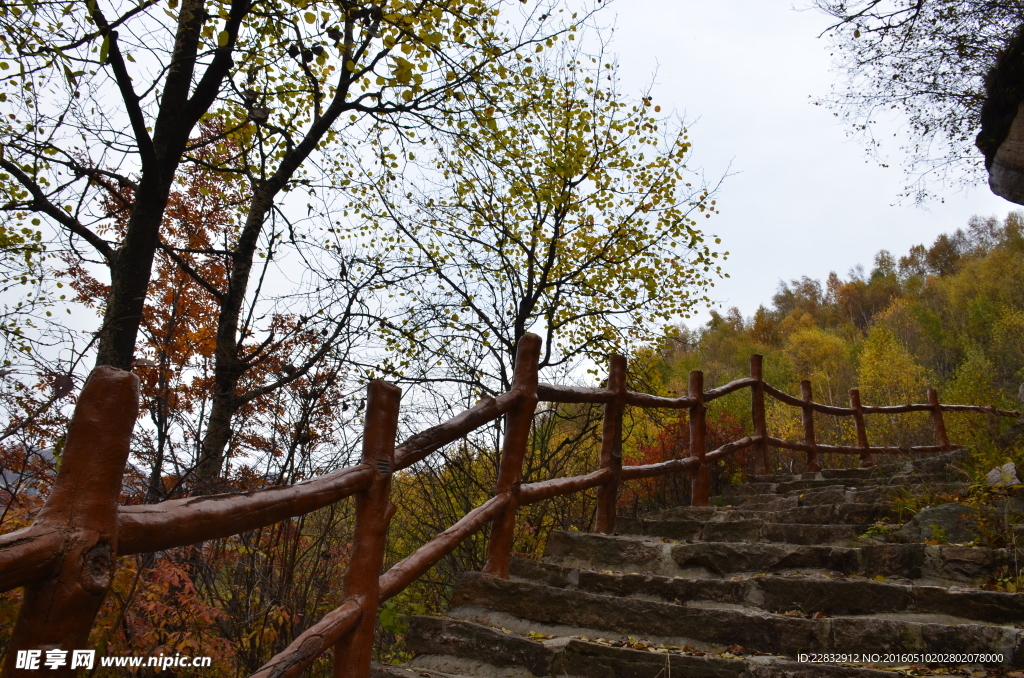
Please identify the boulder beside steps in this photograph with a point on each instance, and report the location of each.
(738, 591)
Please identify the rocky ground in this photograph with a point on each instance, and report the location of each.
(780, 582)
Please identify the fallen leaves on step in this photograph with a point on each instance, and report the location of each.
(731, 652)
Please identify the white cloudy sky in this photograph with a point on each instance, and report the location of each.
(803, 200)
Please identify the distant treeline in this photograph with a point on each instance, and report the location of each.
(949, 316)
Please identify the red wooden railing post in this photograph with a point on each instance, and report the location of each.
(940, 425)
(611, 445)
(862, 434)
(700, 488)
(761, 463)
(808, 421)
(517, 437)
(373, 513)
(57, 613)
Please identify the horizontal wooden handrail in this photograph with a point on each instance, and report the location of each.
(663, 468)
(726, 389)
(987, 409)
(425, 557)
(572, 394)
(677, 465)
(851, 449)
(577, 394)
(784, 397)
(180, 522)
(646, 400)
(556, 487)
(419, 446)
(311, 643)
(28, 554)
(735, 446)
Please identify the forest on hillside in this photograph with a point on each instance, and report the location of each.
(949, 316)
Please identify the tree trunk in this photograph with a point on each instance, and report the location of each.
(129, 276)
(228, 369)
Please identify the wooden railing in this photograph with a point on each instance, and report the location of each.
(65, 560)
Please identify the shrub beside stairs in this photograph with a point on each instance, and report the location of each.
(738, 591)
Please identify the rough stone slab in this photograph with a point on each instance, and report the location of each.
(384, 671)
(903, 560)
(767, 633)
(870, 634)
(845, 473)
(598, 551)
(777, 477)
(722, 558)
(733, 531)
(855, 513)
(747, 489)
(815, 485)
(442, 636)
(789, 533)
(833, 596)
(700, 513)
(822, 514)
(548, 574)
(669, 589)
(670, 529)
(940, 464)
(951, 522)
(991, 606)
(775, 634)
(770, 502)
(835, 494)
(796, 514)
(965, 563)
(593, 660)
(930, 564)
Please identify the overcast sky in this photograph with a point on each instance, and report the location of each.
(804, 199)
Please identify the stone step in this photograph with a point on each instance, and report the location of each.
(742, 529)
(415, 670)
(944, 565)
(691, 518)
(938, 466)
(479, 596)
(800, 514)
(899, 481)
(462, 643)
(735, 591)
(829, 595)
(879, 473)
(822, 491)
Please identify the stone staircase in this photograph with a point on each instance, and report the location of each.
(738, 591)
